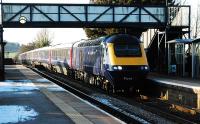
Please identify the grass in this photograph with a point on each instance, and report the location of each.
(10, 54)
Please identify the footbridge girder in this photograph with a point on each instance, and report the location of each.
(83, 15)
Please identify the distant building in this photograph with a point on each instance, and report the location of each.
(108, 1)
(92, 1)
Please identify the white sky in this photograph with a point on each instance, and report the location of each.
(60, 35)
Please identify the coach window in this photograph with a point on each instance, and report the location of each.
(47, 54)
(54, 54)
(105, 54)
(59, 54)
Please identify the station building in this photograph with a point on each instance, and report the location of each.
(184, 57)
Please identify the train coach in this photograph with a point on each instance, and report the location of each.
(112, 62)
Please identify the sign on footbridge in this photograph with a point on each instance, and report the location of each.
(82, 15)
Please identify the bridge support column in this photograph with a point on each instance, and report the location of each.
(2, 44)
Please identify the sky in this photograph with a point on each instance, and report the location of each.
(64, 35)
(59, 35)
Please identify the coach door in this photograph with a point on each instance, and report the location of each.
(105, 54)
(81, 59)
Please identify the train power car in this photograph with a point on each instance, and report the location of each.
(111, 62)
(116, 61)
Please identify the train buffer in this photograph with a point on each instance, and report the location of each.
(179, 91)
(30, 98)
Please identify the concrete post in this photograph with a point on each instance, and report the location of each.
(193, 61)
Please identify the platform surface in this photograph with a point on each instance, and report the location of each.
(175, 81)
(182, 91)
(27, 98)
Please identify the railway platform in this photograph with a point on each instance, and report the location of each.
(26, 97)
(177, 90)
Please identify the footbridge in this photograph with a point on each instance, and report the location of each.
(83, 15)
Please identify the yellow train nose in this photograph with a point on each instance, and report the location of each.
(138, 60)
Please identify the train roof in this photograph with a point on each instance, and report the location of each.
(43, 48)
(116, 38)
(121, 38)
(50, 47)
(60, 46)
(91, 42)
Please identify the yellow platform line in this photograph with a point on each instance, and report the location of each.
(67, 109)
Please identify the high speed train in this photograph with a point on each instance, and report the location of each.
(111, 62)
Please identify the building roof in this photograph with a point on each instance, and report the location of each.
(181, 41)
(196, 40)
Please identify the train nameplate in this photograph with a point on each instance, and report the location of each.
(128, 78)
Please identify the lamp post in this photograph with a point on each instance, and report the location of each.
(2, 44)
(1, 14)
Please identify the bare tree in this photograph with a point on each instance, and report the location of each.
(28, 47)
(196, 24)
(43, 39)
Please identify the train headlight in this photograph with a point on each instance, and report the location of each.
(119, 68)
(144, 67)
(115, 68)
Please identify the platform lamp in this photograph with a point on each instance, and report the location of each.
(22, 19)
(166, 2)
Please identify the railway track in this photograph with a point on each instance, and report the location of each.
(130, 111)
